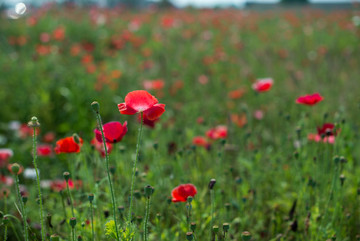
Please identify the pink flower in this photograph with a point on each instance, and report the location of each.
(309, 99)
(44, 150)
(100, 147)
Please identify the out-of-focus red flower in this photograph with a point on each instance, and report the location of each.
(146, 121)
(5, 154)
(167, 22)
(318, 138)
(326, 129)
(44, 150)
(45, 37)
(67, 145)
(58, 185)
(219, 132)
(21, 169)
(236, 94)
(182, 192)
(200, 141)
(262, 85)
(49, 137)
(141, 101)
(203, 79)
(59, 33)
(26, 131)
(309, 99)
(200, 120)
(113, 131)
(154, 84)
(99, 146)
(239, 120)
(8, 181)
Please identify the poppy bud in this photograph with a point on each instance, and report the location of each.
(112, 170)
(76, 138)
(34, 122)
(106, 213)
(82, 224)
(336, 159)
(15, 168)
(6, 220)
(358, 237)
(149, 190)
(227, 206)
(212, 183)
(238, 180)
(226, 227)
(79, 238)
(66, 176)
(156, 145)
(54, 237)
(246, 236)
(189, 236)
(342, 179)
(193, 227)
(296, 154)
(95, 106)
(72, 222)
(137, 194)
(343, 159)
(139, 219)
(91, 198)
(24, 199)
(189, 199)
(215, 229)
(121, 209)
(333, 238)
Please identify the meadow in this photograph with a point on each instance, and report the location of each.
(218, 124)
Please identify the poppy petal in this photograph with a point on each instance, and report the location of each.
(155, 112)
(139, 100)
(126, 110)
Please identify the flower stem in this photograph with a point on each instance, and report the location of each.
(92, 221)
(25, 223)
(147, 214)
(5, 232)
(134, 166)
(73, 234)
(98, 117)
(71, 202)
(38, 185)
(212, 200)
(22, 209)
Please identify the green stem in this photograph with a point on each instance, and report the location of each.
(25, 223)
(92, 222)
(147, 214)
(5, 233)
(212, 210)
(134, 166)
(38, 185)
(71, 203)
(108, 173)
(21, 205)
(73, 234)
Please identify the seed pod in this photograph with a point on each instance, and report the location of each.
(246, 236)
(34, 122)
(189, 236)
(72, 222)
(212, 183)
(54, 237)
(226, 227)
(149, 190)
(91, 198)
(66, 176)
(95, 106)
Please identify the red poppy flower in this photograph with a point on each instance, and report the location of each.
(113, 131)
(327, 127)
(236, 94)
(309, 99)
(147, 122)
(100, 147)
(44, 150)
(67, 145)
(182, 192)
(25, 131)
(141, 101)
(201, 141)
(5, 154)
(154, 84)
(49, 137)
(219, 132)
(262, 85)
(58, 185)
(7, 180)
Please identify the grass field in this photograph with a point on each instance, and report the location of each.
(286, 168)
